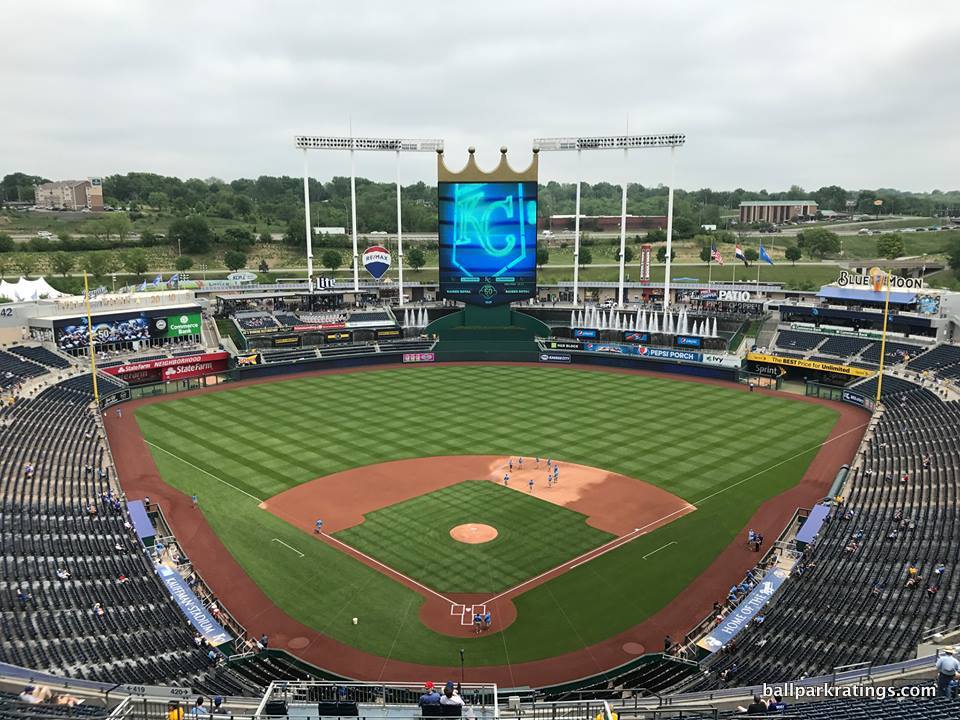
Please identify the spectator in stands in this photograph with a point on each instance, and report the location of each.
(198, 710)
(948, 670)
(264, 641)
(757, 707)
(218, 708)
(63, 574)
(776, 705)
(98, 610)
(24, 596)
(430, 695)
(667, 644)
(174, 711)
(450, 695)
(34, 694)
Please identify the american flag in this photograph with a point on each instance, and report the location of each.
(715, 255)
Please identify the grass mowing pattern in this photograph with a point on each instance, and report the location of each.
(691, 439)
(413, 537)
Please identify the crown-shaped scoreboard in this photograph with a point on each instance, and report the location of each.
(487, 224)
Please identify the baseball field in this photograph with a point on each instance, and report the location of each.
(394, 460)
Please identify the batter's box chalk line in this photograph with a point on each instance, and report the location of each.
(468, 611)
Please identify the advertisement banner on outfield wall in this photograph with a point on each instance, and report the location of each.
(181, 366)
(632, 336)
(418, 357)
(552, 357)
(810, 364)
(191, 607)
(286, 341)
(668, 354)
(563, 345)
(585, 333)
(740, 617)
(730, 361)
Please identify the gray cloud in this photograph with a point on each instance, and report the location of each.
(768, 94)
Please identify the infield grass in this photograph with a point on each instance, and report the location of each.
(724, 450)
(533, 536)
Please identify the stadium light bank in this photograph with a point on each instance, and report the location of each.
(352, 145)
(625, 143)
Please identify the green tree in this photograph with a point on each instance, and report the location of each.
(193, 234)
(265, 237)
(751, 255)
(683, 228)
(543, 257)
(662, 254)
(627, 254)
(586, 257)
(239, 239)
(295, 236)
(793, 253)
(331, 259)
(891, 245)
(818, 242)
(263, 267)
(182, 263)
(234, 260)
(953, 256)
(4, 265)
(6, 243)
(158, 199)
(704, 254)
(94, 264)
(119, 224)
(62, 263)
(416, 258)
(25, 263)
(135, 261)
(657, 236)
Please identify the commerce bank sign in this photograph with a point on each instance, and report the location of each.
(877, 279)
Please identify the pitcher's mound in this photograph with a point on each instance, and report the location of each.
(473, 533)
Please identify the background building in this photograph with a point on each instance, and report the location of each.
(775, 211)
(70, 194)
(608, 222)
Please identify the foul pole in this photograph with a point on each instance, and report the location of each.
(93, 355)
(883, 338)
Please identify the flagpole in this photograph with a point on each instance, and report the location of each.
(709, 271)
(758, 269)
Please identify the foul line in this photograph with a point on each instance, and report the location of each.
(205, 472)
(654, 552)
(389, 569)
(289, 546)
(629, 537)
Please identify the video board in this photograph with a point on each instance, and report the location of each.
(488, 241)
(71, 334)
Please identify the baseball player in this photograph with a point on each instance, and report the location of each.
(538, 461)
(318, 526)
(556, 472)
(510, 464)
(530, 484)
(549, 479)
(520, 463)
(506, 479)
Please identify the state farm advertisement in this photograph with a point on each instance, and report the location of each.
(171, 368)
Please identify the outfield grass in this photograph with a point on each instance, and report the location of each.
(533, 537)
(723, 450)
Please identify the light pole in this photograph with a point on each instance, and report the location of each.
(352, 145)
(203, 269)
(625, 143)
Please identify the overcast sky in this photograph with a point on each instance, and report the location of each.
(769, 94)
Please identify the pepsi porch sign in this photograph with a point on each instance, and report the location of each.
(376, 261)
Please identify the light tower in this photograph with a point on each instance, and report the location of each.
(625, 143)
(351, 145)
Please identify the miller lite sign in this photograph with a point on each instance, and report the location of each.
(376, 261)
